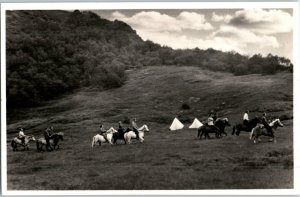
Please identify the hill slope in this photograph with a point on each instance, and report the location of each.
(157, 94)
(166, 160)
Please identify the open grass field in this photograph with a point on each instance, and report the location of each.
(166, 160)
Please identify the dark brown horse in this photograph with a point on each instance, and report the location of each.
(220, 123)
(242, 127)
(54, 142)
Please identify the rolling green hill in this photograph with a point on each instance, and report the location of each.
(156, 94)
(166, 160)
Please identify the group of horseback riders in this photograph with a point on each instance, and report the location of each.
(48, 132)
(263, 120)
(121, 129)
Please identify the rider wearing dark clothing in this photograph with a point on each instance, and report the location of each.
(266, 124)
(120, 129)
(214, 116)
(47, 134)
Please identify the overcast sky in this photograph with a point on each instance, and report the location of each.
(246, 31)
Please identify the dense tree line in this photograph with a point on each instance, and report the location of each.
(52, 52)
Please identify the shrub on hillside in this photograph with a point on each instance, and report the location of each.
(240, 69)
(185, 106)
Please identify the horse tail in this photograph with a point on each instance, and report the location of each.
(93, 141)
(13, 144)
(199, 131)
(233, 130)
(251, 134)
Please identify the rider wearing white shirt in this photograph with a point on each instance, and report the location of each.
(22, 136)
(210, 122)
(246, 118)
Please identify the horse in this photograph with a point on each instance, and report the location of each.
(131, 134)
(241, 127)
(220, 123)
(16, 141)
(119, 135)
(260, 130)
(54, 139)
(101, 139)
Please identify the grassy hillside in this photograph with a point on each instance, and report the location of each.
(166, 160)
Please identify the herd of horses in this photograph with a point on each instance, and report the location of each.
(255, 127)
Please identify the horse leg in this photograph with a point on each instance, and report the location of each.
(254, 141)
(201, 135)
(129, 140)
(37, 146)
(233, 130)
(141, 139)
(208, 136)
(199, 131)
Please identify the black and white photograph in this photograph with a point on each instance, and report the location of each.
(142, 98)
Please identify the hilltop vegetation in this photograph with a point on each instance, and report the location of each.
(53, 52)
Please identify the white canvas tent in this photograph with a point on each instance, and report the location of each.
(196, 124)
(176, 125)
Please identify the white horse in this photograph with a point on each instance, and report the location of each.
(261, 130)
(17, 142)
(101, 139)
(131, 134)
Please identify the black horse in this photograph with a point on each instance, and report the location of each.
(220, 123)
(56, 137)
(242, 127)
(119, 135)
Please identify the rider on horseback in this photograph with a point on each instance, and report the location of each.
(266, 124)
(103, 132)
(21, 136)
(48, 134)
(135, 127)
(246, 118)
(210, 121)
